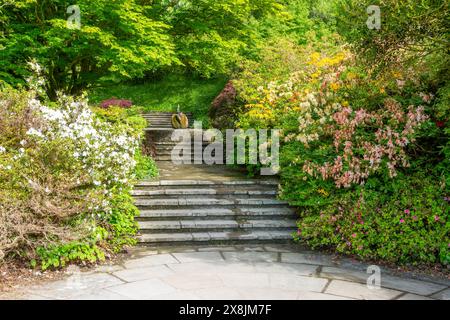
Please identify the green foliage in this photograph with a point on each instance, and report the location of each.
(116, 39)
(120, 222)
(60, 256)
(210, 35)
(401, 36)
(399, 211)
(146, 167)
(65, 198)
(405, 220)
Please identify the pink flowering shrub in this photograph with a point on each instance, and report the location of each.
(366, 141)
(358, 157)
(114, 102)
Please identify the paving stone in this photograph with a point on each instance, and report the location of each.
(344, 274)
(73, 285)
(176, 249)
(102, 294)
(410, 285)
(219, 248)
(198, 257)
(108, 268)
(251, 256)
(193, 281)
(142, 290)
(443, 295)
(212, 267)
(245, 280)
(152, 260)
(272, 248)
(137, 274)
(286, 268)
(297, 283)
(307, 258)
(360, 291)
(254, 249)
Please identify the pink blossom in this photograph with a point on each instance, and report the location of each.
(436, 218)
(407, 211)
(354, 235)
(414, 218)
(402, 221)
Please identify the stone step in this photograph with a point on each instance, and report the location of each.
(173, 143)
(163, 115)
(201, 192)
(215, 213)
(169, 147)
(209, 183)
(216, 201)
(164, 226)
(169, 158)
(179, 151)
(214, 237)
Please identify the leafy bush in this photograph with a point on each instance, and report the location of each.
(116, 103)
(65, 176)
(145, 167)
(401, 220)
(222, 111)
(362, 155)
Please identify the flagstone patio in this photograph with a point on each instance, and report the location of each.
(234, 272)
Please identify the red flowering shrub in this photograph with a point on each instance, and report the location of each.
(114, 102)
(222, 110)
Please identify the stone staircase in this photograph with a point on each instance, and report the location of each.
(160, 142)
(163, 119)
(203, 204)
(202, 211)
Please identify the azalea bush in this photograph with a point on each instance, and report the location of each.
(360, 155)
(65, 177)
(114, 102)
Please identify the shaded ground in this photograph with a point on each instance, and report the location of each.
(232, 272)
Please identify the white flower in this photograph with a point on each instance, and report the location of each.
(34, 132)
(23, 142)
(2, 149)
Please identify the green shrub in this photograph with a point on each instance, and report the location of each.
(65, 179)
(404, 220)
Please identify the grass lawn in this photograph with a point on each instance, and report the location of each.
(193, 95)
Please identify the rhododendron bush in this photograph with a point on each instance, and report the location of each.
(358, 152)
(64, 180)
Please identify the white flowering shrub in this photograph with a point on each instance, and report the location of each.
(65, 176)
(105, 151)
